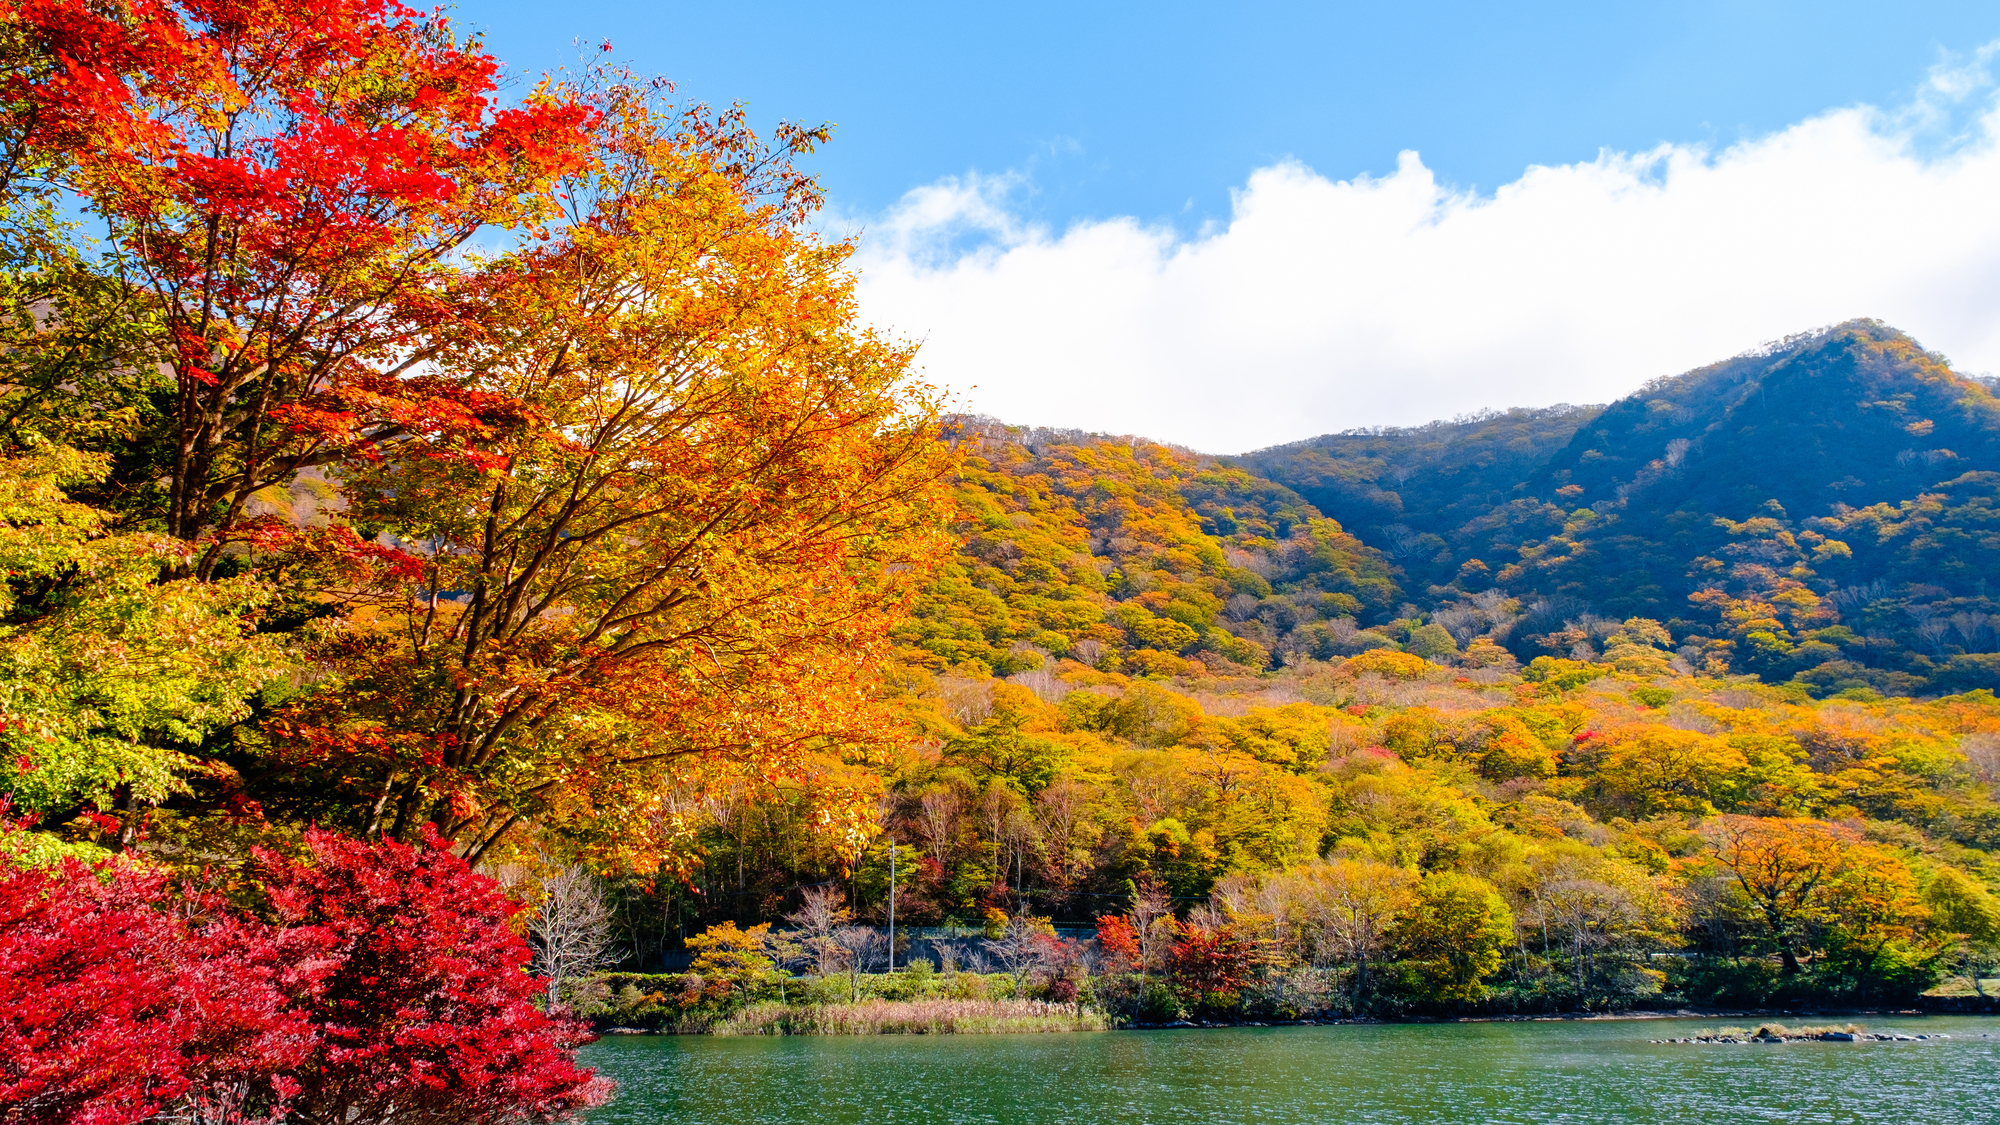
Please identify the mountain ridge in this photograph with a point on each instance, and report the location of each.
(1806, 512)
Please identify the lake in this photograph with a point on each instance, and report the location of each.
(1580, 1070)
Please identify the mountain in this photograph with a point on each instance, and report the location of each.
(1824, 511)
(1821, 510)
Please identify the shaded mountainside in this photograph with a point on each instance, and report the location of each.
(1824, 511)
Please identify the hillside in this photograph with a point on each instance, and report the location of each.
(1822, 511)
(1146, 676)
(1122, 553)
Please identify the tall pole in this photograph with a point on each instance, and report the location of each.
(892, 905)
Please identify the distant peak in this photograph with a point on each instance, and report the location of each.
(1868, 326)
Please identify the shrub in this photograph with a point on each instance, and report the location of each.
(388, 987)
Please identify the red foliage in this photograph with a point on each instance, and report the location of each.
(338, 551)
(112, 1008)
(1209, 960)
(422, 996)
(297, 243)
(1061, 966)
(389, 985)
(1118, 940)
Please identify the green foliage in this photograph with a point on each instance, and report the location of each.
(1432, 642)
(1829, 505)
(110, 679)
(1454, 938)
(1653, 697)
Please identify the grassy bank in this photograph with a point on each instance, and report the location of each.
(911, 1017)
(915, 1002)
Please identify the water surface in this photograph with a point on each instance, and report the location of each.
(1580, 1071)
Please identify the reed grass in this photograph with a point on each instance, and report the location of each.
(912, 1017)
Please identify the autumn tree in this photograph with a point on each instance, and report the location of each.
(1118, 943)
(1783, 869)
(1065, 833)
(674, 541)
(1351, 908)
(1453, 936)
(385, 982)
(118, 1003)
(108, 677)
(1817, 888)
(1022, 948)
(1209, 962)
(1661, 770)
(1965, 911)
(279, 193)
(1595, 911)
(283, 187)
(738, 960)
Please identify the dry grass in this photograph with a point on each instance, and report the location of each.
(1962, 986)
(913, 1017)
(1806, 1031)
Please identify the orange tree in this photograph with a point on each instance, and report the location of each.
(1820, 891)
(1785, 870)
(666, 535)
(735, 961)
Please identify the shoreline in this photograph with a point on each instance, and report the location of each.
(1110, 1025)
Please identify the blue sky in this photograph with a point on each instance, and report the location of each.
(1234, 226)
(1158, 110)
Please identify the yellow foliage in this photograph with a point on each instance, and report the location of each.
(1387, 663)
(1510, 750)
(1662, 770)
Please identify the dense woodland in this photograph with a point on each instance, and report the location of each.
(1821, 511)
(1595, 838)
(1151, 672)
(408, 649)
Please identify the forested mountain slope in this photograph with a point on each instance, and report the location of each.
(1822, 511)
(1124, 554)
(1143, 682)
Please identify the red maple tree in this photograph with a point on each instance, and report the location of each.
(1209, 963)
(118, 999)
(284, 182)
(421, 998)
(1118, 940)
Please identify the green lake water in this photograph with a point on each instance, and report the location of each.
(1581, 1071)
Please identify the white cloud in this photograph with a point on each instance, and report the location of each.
(1324, 304)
